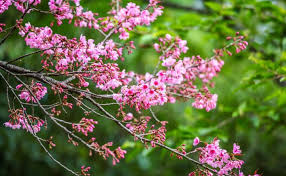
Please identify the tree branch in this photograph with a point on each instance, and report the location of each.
(39, 76)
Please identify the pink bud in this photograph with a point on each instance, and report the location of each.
(196, 141)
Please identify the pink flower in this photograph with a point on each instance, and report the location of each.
(25, 96)
(168, 37)
(157, 47)
(236, 149)
(120, 153)
(128, 117)
(123, 35)
(216, 157)
(85, 126)
(131, 16)
(169, 62)
(19, 86)
(84, 170)
(196, 141)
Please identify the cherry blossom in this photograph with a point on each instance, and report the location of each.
(37, 89)
(20, 120)
(196, 141)
(85, 126)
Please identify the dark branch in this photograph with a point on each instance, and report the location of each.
(46, 79)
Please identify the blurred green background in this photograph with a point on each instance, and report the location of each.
(251, 87)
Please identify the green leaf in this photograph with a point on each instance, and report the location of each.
(214, 6)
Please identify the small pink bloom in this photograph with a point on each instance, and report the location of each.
(196, 141)
(236, 149)
(168, 37)
(19, 86)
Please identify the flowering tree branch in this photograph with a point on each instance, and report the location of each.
(71, 66)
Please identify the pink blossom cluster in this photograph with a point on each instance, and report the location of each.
(4, 5)
(119, 153)
(219, 158)
(176, 79)
(106, 152)
(84, 170)
(131, 16)
(158, 135)
(62, 10)
(68, 52)
(108, 76)
(172, 48)
(238, 42)
(116, 155)
(37, 89)
(181, 74)
(128, 117)
(139, 126)
(148, 92)
(205, 100)
(69, 55)
(18, 119)
(41, 38)
(19, 4)
(85, 126)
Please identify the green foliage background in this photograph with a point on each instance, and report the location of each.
(251, 88)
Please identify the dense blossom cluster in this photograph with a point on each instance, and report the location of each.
(172, 48)
(176, 79)
(5, 5)
(108, 76)
(63, 10)
(219, 158)
(85, 126)
(149, 92)
(37, 89)
(19, 119)
(124, 20)
(131, 16)
(69, 50)
(66, 54)
(19, 4)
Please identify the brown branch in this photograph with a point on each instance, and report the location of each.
(32, 132)
(89, 96)
(26, 55)
(142, 139)
(48, 80)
